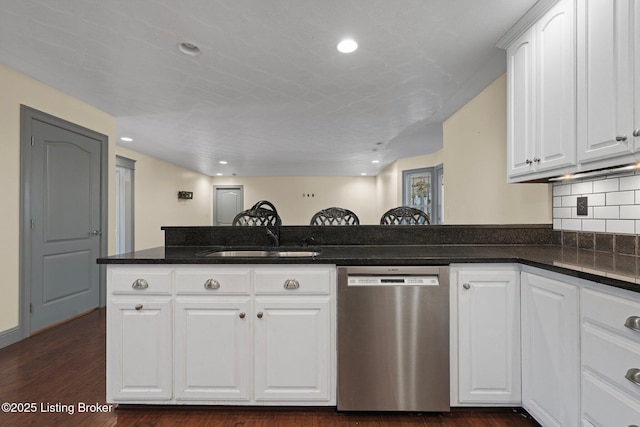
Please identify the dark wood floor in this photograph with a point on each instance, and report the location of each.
(57, 371)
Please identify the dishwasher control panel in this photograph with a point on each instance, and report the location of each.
(393, 281)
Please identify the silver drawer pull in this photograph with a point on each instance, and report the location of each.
(140, 284)
(139, 307)
(291, 284)
(212, 284)
(633, 375)
(633, 323)
(621, 138)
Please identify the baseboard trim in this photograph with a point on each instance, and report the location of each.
(10, 336)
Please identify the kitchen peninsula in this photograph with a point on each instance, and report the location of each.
(179, 318)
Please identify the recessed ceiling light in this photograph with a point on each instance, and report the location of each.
(347, 46)
(375, 161)
(363, 173)
(126, 139)
(223, 162)
(189, 49)
(218, 174)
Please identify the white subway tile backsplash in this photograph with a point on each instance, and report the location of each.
(606, 185)
(630, 183)
(594, 225)
(572, 224)
(561, 189)
(620, 198)
(621, 226)
(562, 212)
(614, 205)
(585, 187)
(630, 212)
(597, 199)
(606, 212)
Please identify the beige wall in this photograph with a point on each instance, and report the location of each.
(16, 89)
(475, 167)
(156, 198)
(357, 194)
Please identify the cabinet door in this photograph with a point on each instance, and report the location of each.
(212, 343)
(550, 350)
(555, 116)
(605, 73)
(292, 350)
(488, 337)
(139, 361)
(520, 105)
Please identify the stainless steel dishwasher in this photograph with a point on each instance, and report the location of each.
(393, 339)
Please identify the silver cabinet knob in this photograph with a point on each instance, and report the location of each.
(466, 286)
(140, 284)
(212, 284)
(139, 307)
(260, 315)
(528, 161)
(633, 323)
(242, 315)
(636, 132)
(633, 375)
(291, 284)
(536, 160)
(621, 138)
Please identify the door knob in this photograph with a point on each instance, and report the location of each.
(95, 233)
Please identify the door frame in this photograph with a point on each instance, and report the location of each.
(27, 115)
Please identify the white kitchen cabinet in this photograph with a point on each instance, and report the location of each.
(550, 350)
(139, 364)
(139, 325)
(541, 104)
(606, 74)
(610, 353)
(212, 349)
(292, 350)
(488, 336)
(213, 334)
(225, 335)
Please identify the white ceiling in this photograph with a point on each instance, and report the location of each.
(270, 94)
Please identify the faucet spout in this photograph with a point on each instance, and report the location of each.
(274, 236)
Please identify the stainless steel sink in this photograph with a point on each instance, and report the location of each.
(250, 253)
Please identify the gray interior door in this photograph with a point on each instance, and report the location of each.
(65, 224)
(228, 202)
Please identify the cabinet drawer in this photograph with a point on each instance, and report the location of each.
(293, 282)
(611, 356)
(605, 406)
(134, 281)
(610, 310)
(213, 282)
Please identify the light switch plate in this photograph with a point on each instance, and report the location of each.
(583, 206)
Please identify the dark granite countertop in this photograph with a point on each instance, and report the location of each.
(608, 268)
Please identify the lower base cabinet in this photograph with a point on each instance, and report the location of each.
(263, 335)
(486, 332)
(550, 350)
(610, 350)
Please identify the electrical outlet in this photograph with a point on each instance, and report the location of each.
(583, 206)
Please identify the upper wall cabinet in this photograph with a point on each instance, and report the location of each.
(606, 34)
(606, 79)
(541, 99)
